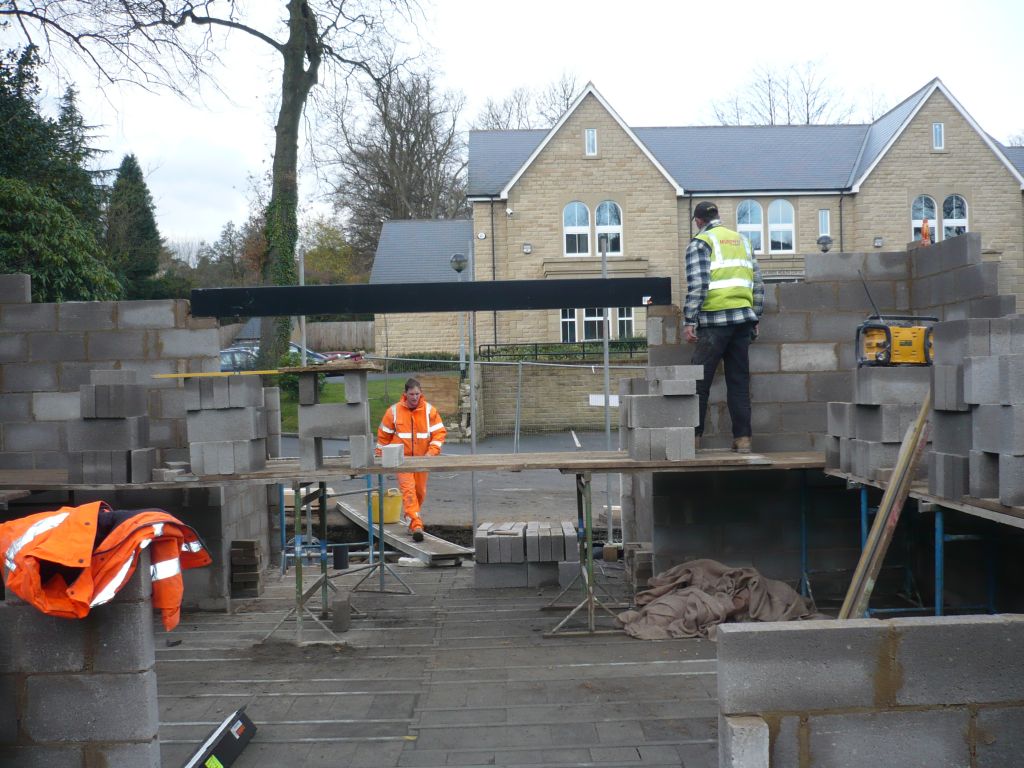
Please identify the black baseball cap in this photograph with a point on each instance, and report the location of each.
(705, 211)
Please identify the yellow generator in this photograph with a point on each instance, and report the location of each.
(895, 340)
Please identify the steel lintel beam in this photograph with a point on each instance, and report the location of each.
(480, 296)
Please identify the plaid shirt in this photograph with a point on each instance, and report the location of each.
(698, 276)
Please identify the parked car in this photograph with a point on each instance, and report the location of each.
(237, 359)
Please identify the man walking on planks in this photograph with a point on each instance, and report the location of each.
(724, 301)
(417, 425)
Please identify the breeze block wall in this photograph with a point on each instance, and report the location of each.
(80, 692)
(899, 693)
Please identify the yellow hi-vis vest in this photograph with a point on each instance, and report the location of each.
(732, 270)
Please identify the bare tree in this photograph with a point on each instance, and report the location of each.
(524, 108)
(1017, 140)
(405, 161)
(796, 95)
(556, 98)
(150, 42)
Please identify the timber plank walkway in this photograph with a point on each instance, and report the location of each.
(450, 676)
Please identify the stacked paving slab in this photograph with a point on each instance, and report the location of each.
(227, 425)
(523, 554)
(110, 443)
(319, 421)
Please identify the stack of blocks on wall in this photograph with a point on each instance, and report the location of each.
(978, 423)
(523, 554)
(113, 408)
(319, 421)
(658, 414)
(227, 425)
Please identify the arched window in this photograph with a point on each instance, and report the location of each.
(576, 228)
(609, 228)
(954, 216)
(750, 223)
(781, 227)
(923, 208)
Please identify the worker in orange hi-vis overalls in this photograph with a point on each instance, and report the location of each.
(417, 425)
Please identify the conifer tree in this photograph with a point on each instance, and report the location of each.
(133, 243)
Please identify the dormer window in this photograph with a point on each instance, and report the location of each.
(590, 142)
(938, 136)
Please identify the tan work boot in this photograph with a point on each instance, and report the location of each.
(741, 445)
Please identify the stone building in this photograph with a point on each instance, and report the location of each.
(545, 203)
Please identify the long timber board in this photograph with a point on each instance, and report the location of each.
(431, 550)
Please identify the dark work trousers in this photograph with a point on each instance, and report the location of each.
(729, 343)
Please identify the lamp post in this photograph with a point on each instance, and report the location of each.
(459, 262)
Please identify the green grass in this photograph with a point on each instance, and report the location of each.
(380, 400)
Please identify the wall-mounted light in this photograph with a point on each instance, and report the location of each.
(509, 212)
(879, 242)
(458, 262)
(527, 248)
(825, 243)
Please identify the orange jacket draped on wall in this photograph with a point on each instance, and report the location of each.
(64, 563)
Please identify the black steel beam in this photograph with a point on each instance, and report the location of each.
(431, 297)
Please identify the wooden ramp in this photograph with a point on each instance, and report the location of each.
(431, 550)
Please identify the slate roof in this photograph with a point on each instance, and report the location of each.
(709, 159)
(419, 250)
(1015, 155)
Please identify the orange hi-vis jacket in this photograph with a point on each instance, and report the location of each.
(54, 561)
(421, 431)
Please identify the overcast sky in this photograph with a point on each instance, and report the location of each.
(657, 62)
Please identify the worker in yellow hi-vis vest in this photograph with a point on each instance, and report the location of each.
(724, 302)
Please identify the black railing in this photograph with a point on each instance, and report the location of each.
(575, 350)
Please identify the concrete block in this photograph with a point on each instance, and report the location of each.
(868, 457)
(544, 553)
(638, 443)
(334, 419)
(168, 403)
(674, 387)
(28, 317)
(680, 444)
(309, 391)
(798, 666)
(185, 343)
(55, 406)
(493, 549)
(778, 388)
(113, 376)
(142, 462)
(831, 452)
(896, 739)
(570, 541)
(948, 388)
(1011, 379)
(987, 428)
(356, 387)
(635, 386)
(764, 358)
(657, 411)
(480, 542)
(193, 394)
(245, 391)
(953, 340)
(810, 297)
(1002, 741)
(1006, 335)
(27, 637)
(393, 455)
(360, 449)
(668, 354)
(14, 347)
(1011, 480)
(311, 453)
(742, 742)
(841, 422)
(15, 408)
(897, 384)
(953, 660)
(146, 314)
(568, 570)
(829, 386)
(952, 432)
(808, 357)
(86, 315)
(113, 707)
(274, 446)
(116, 345)
(783, 328)
(948, 475)
(32, 436)
(500, 575)
(674, 372)
(834, 266)
(30, 377)
(981, 380)
(983, 475)
(15, 288)
(122, 639)
(341, 613)
(210, 425)
(542, 574)
(272, 398)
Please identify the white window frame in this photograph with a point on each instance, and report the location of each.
(569, 324)
(790, 226)
(590, 142)
(576, 229)
(953, 221)
(824, 222)
(938, 136)
(624, 322)
(746, 229)
(607, 229)
(592, 316)
(917, 223)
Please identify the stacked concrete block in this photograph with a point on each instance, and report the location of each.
(80, 692)
(665, 336)
(110, 442)
(227, 425)
(658, 414)
(319, 421)
(272, 407)
(522, 554)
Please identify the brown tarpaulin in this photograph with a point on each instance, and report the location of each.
(691, 599)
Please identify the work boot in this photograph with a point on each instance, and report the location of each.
(416, 529)
(741, 445)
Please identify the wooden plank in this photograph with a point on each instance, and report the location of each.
(888, 516)
(431, 550)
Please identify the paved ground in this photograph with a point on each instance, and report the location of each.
(451, 676)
